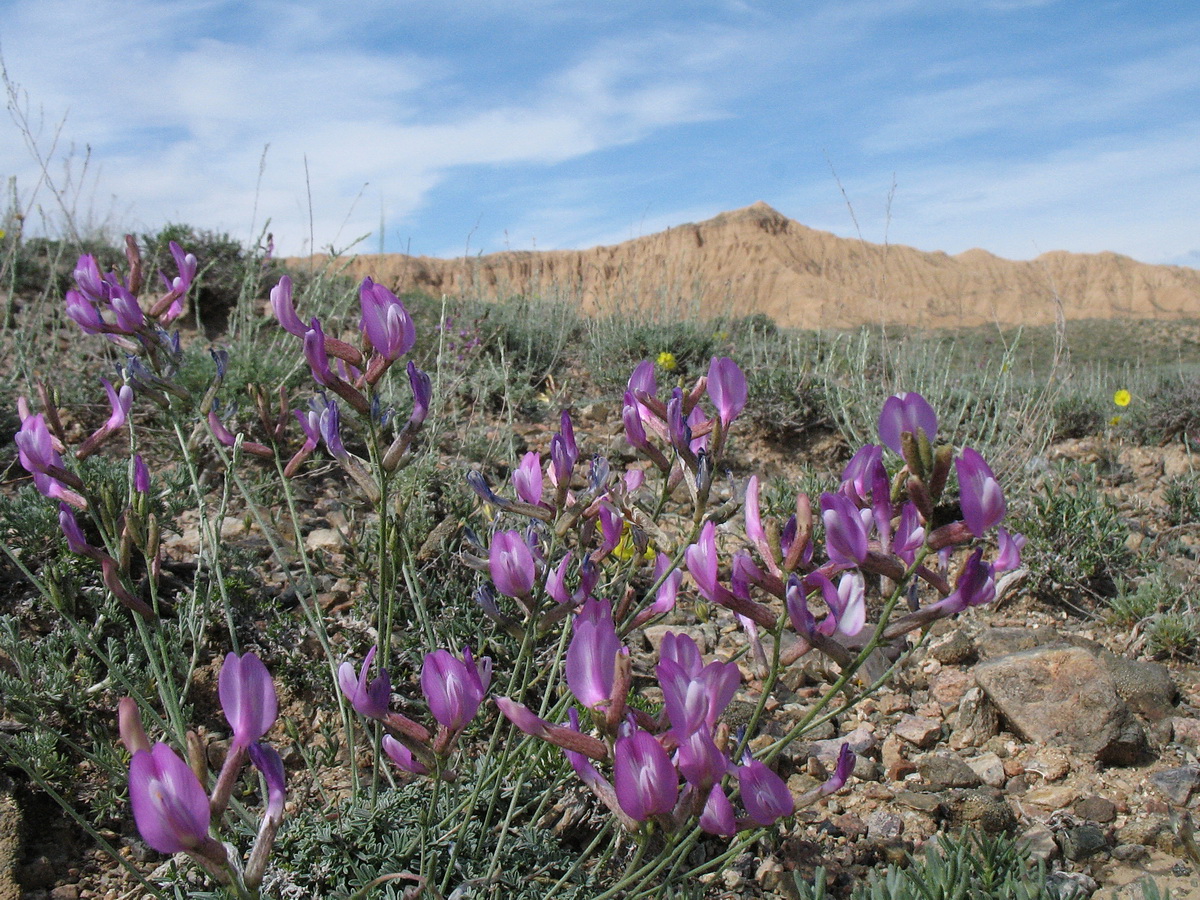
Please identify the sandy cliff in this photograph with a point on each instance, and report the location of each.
(757, 260)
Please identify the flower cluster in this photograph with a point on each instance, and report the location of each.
(650, 756)
(170, 806)
(453, 686)
(387, 334)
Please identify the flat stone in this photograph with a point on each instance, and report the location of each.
(655, 634)
(989, 768)
(1052, 796)
(954, 650)
(1095, 809)
(326, 539)
(1146, 687)
(1063, 696)
(946, 770)
(923, 802)
(1177, 784)
(919, 730)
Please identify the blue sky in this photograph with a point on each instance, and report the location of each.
(481, 125)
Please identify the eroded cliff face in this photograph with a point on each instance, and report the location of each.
(757, 260)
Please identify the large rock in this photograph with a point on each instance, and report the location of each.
(1064, 697)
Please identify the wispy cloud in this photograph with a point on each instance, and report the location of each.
(566, 124)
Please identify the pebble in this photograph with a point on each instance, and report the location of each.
(1096, 809)
(989, 768)
(1177, 784)
(1082, 841)
(1051, 796)
(1040, 842)
(919, 730)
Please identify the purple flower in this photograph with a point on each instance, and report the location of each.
(700, 761)
(847, 606)
(726, 388)
(718, 816)
(330, 424)
(980, 496)
(681, 649)
(765, 795)
(89, 279)
(1008, 554)
(702, 563)
(267, 760)
(403, 757)
(644, 779)
(385, 321)
(318, 360)
(454, 687)
(285, 312)
(643, 379)
(35, 446)
(510, 562)
(187, 264)
(169, 804)
(910, 533)
(141, 475)
(76, 542)
(906, 412)
(796, 600)
(564, 452)
(845, 767)
(130, 317)
(422, 391)
(370, 700)
(862, 472)
(84, 313)
(845, 533)
(694, 698)
(527, 478)
(247, 698)
(592, 654)
(974, 586)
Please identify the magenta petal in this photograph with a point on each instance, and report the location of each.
(268, 761)
(169, 805)
(285, 312)
(718, 816)
(511, 564)
(980, 496)
(454, 688)
(247, 697)
(727, 388)
(765, 795)
(592, 654)
(403, 757)
(906, 412)
(645, 781)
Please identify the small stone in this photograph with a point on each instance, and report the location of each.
(323, 539)
(949, 686)
(1177, 784)
(1071, 884)
(946, 770)
(990, 769)
(1186, 731)
(1050, 796)
(1095, 809)
(1142, 831)
(849, 825)
(981, 809)
(883, 825)
(954, 650)
(698, 633)
(976, 722)
(919, 731)
(926, 803)
(1082, 841)
(1051, 763)
(65, 892)
(1129, 852)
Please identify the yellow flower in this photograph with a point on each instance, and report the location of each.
(1122, 397)
(666, 361)
(626, 549)
(1115, 421)
(3, 233)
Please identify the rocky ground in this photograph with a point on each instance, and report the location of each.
(1022, 717)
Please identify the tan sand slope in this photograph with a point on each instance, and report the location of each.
(757, 260)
